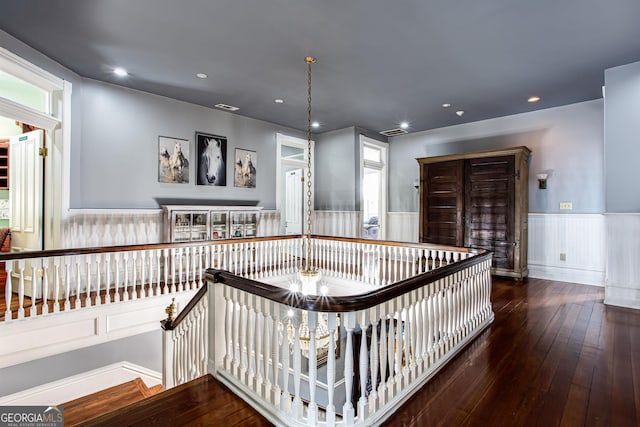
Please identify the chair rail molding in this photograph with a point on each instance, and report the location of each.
(622, 284)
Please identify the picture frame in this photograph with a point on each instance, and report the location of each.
(211, 159)
(173, 160)
(244, 168)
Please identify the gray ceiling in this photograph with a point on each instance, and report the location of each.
(379, 61)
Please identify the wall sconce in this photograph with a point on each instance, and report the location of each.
(542, 180)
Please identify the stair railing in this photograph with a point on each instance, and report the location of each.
(331, 359)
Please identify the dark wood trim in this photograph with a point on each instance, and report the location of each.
(127, 248)
(171, 325)
(394, 243)
(10, 256)
(343, 303)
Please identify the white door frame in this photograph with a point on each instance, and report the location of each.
(292, 141)
(57, 127)
(382, 166)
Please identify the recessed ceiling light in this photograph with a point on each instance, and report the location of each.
(533, 99)
(460, 112)
(201, 76)
(404, 125)
(446, 105)
(315, 125)
(120, 72)
(278, 101)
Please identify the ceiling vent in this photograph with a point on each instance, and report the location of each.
(226, 107)
(394, 132)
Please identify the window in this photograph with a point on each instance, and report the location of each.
(373, 179)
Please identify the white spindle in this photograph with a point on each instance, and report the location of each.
(312, 411)
(56, 294)
(78, 302)
(266, 349)
(8, 291)
(285, 398)
(348, 412)
(107, 269)
(331, 369)
(275, 347)
(125, 290)
(20, 289)
(67, 284)
(374, 357)
(98, 281)
(87, 263)
(363, 406)
(297, 401)
(34, 290)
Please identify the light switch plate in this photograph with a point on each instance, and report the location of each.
(566, 206)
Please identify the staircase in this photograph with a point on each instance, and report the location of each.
(87, 407)
(203, 402)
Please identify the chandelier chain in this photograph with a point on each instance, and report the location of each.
(309, 230)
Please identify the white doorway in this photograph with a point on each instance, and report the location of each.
(291, 169)
(26, 191)
(373, 188)
(293, 201)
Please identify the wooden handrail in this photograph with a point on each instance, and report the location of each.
(342, 303)
(9, 256)
(170, 325)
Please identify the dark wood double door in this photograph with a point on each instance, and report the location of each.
(471, 202)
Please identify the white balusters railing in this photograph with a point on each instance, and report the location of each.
(392, 346)
(185, 350)
(74, 279)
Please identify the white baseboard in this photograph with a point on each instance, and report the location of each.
(622, 295)
(70, 388)
(567, 274)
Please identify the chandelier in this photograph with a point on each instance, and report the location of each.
(308, 279)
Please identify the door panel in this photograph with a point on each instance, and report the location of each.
(25, 199)
(294, 190)
(490, 207)
(444, 203)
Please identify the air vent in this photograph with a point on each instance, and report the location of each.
(226, 107)
(393, 132)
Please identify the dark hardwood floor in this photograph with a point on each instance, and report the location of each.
(555, 355)
(201, 402)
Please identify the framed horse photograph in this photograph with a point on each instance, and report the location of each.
(173, 160)
(245, 168)
(211, 160)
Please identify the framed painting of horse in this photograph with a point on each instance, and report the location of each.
(173, 160)
(245, 168)
(211, 160)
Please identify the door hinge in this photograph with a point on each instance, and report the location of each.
(43, 152)
(517, 174)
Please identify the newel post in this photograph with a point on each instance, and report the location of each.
(167, 346)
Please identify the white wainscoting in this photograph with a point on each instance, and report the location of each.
(109, 227)
(85, 228)
(269, 224)
(622, 286)
(337, 223)
(80, 385)
(51, 334)
(403, 226)
(581, 237)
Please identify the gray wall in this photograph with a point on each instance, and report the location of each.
(622, 131)
(119, 164)
(144, 350)
(567, 142)
(335, 171)
(337, 163)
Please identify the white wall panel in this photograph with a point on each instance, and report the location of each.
(581, 237)
(622, 286)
